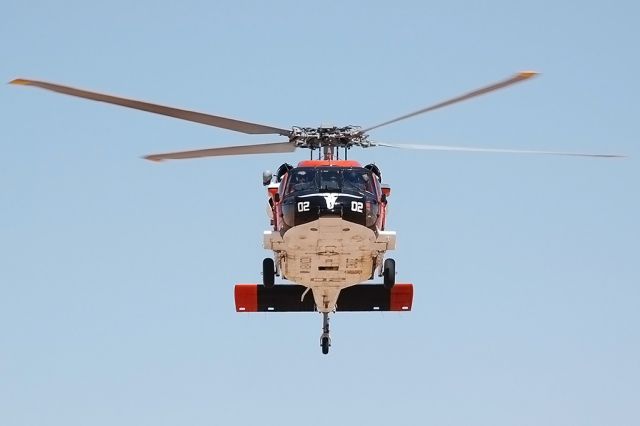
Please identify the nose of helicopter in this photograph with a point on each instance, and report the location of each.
(351, 208)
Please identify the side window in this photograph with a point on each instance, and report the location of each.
(370, 182)
(376, 187)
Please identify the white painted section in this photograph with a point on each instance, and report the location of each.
(388, 238)
(327, 255)
(271, 240)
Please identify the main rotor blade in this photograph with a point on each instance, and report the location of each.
(521, 76)
(495, 150)
(266, 148)
(198, 117)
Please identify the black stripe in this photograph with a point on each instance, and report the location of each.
(284, 298)
(359, 298)
(364, 297)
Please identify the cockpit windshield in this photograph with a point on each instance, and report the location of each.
(301, 180)
(358, 180)
(330, 179)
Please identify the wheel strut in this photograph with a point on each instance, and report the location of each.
(325, 339)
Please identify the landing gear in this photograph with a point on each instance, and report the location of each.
(268, 272)
(389, 273)
(325, 340)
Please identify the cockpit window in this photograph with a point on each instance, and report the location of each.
(330, 179)
(358, 180)
(301, 180)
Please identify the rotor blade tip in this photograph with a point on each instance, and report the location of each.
(21, 81)
(152, 158)
(528, 74)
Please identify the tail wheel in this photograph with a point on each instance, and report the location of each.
(389, 273)
(325, 343)
(268, 272)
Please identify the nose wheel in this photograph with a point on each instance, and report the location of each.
(325, 339)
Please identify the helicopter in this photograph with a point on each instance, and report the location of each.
(327, 214)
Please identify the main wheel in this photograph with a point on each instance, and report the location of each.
(389, 273)
(324, 342)
(268, 272)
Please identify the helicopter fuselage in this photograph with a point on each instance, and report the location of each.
(328, 231)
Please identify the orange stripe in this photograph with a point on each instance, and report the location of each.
(324, 163)
(246, 296)
(401, 297)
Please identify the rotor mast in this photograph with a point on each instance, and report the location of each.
(327, 152)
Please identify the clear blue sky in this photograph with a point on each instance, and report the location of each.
(116, 274)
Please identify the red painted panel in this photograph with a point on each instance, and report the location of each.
(401, 297)
(325, 163)
(246, 296)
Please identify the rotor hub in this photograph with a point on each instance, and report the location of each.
(334, 137)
